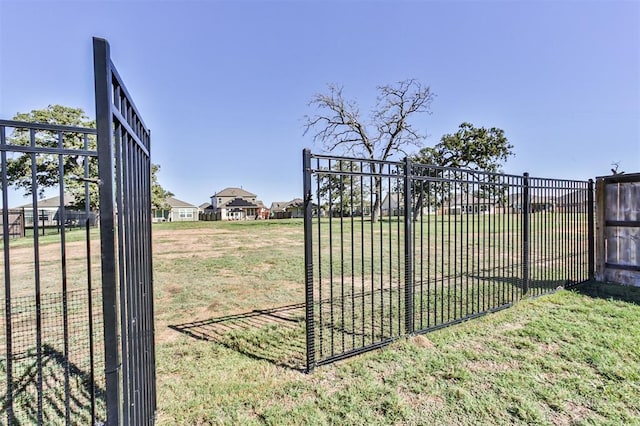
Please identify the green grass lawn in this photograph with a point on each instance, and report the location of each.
(560, 359)
(230, 347)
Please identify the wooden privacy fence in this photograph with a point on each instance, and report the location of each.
(618, 233)
(15, 221)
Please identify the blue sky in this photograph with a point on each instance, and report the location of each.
(224, 85)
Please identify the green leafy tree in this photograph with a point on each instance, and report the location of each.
(474, 148)
(339, 127)
(19, 168)
(159, 195)
(77, 169)
(342, 191)
(471, 148)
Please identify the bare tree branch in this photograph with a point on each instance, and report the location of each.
(338, 125)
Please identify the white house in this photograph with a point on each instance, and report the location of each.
(237, 204)
(179, 211)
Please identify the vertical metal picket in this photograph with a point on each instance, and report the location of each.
(104, 126)
(125, 193)
(526, 212)
(308, 259)
(408, 250)
(591, 230)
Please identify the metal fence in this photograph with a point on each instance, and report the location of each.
(396, 248)
(51, 370)
(77, 335)
(125, 229)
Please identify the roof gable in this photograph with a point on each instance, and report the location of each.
(54, 202)
(234, 192)
(174, 202)
(239, 202)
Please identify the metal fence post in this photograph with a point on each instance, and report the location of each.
(591, 231)
(104, 125)
(308, 259)
(526, 211)
(408, 249)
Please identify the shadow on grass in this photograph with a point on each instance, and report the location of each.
(53, 396)
(593, 289)
(536, 287)
(276, 335)
(607, 291)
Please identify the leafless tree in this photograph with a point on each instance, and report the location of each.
(338, 126)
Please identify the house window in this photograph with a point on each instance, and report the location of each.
(28, 218)
(185, 213)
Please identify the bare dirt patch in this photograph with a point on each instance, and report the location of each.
(422, 341)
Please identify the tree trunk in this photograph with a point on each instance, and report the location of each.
(375, 211)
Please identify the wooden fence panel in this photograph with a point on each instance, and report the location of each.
(619, 229)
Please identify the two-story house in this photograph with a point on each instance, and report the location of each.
(236, 204)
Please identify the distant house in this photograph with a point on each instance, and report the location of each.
(178, 211)
(573, 202)
(536, 203)
(237, 204)
(277, 210)
(393, 205)
(469, 204)
(290, 209)
(287, 209)
(50, 213)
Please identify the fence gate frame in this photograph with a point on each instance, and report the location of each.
(124, 169)
(544, 238)
(122, 148)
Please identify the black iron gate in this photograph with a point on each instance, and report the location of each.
(396, 248)
(77, 335)
(125, 226)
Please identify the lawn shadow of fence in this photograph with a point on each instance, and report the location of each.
(594, 289)
(80, 389)
(276, 335)
(600, 290)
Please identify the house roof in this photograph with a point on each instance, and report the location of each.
(296, 202)
(466, 199)
(174, 202)
(279, 206)
(574, 197)
(239, 202)
(233, 192)
(205, 206)
(517, 199)
(391, 200)
(53, 202)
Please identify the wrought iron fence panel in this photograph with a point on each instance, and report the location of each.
(395, 248)
(51, 329)
(127, 281)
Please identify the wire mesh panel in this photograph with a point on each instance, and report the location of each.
(395, 248)
(50, 322)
